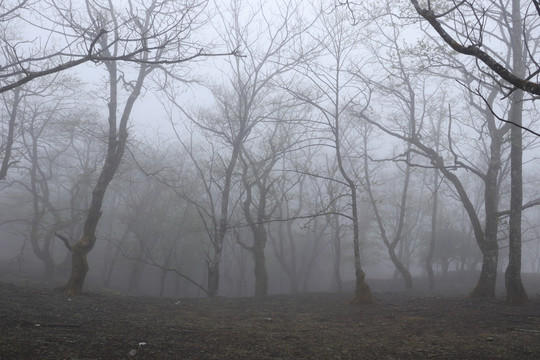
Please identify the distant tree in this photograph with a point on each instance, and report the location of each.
(261, 189)
(48, 169)
(391, 240)
(246, 102)
(330, 92)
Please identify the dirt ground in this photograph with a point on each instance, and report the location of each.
(39, 323)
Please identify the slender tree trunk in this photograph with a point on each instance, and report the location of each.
(362, 293)
(515, 292)
(391, 245)
(433, 235)
(434, 209)
(337, 253)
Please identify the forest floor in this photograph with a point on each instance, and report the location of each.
(39, 323)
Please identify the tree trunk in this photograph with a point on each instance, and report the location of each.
(362, 292)
(432, 237)
(213, 273)
(486, 285)
(135, 277)
(162, 278)
(79, 267)
(261, 275)
(515, 292)
(434, 209)
(337, 254)
(116, 143)
(403, 271)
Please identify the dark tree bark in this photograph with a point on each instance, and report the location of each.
(515, 292)
(7, 145)
(117, 138)
(517, 79)
(151, 40)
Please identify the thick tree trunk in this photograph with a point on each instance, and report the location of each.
(488, 275)
(79, 267)
(79, 251)
(515, 292)
(213, 275)
(261, 275)
(486, 285)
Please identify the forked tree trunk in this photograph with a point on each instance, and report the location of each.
(116, 143)
(79, 268)
(80, 250)
(391, 244)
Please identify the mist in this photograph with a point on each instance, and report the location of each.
(239, 149)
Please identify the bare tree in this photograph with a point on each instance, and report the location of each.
(46, 144)
(11, 103)
(331, 94)
(398, 233)
(261, 185)
(522, 75)
(92, 38)
(246, 103)
(469, 38)
(162, 37)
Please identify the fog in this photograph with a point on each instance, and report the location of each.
(238, 148)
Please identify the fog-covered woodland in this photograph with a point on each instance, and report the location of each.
(237, 148)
